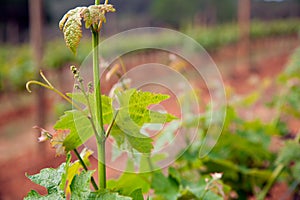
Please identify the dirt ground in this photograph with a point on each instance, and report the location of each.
(19, 154)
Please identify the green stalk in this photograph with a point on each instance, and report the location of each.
(97, 80)
(272, 179)
(98, 115)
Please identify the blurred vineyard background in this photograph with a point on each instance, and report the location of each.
(273, 36)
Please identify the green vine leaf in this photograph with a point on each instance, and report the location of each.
(165, 187)
(106, 194)
(80, 186)
(106, 104)
(80, 189)
(96, 13)
(71, 24)
(50, 179)
(126, 183)
(133, 113)
(33, 195)
(137, 194)
(59, 182)
(78, 123)
(75, 168)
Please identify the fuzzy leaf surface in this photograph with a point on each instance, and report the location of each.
(50, 179)
(71, 25)
(80, 186)
(107, 195)
(33, 195)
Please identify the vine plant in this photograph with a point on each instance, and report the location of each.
(94, 114)
(76, 126)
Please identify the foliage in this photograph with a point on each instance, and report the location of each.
(50, 179)
(133, 112)
(128, 186)
(175, 187)
(15, 67)
(287, 104)
(261, 29)
(163, 11)
(242, 152)
(289, 84)
(68, 177)
(216, 36)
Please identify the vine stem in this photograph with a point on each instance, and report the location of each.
(98, 115)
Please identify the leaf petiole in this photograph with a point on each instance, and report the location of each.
(85, 168)
(111, 125)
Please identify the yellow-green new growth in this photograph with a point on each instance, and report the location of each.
(71, 24)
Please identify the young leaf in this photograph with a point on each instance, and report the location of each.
(58, 140)
(133, 114)
(130, 182)
(33, 195)
(77, 123)
(135, 104)
(80, 186)
(96, 14)
(93, 15)
(137, 194)
(138, 142)
(50, 179)
(71, 24)
(107, 195)
(165, 187)
(75, 168)
(107, 109)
